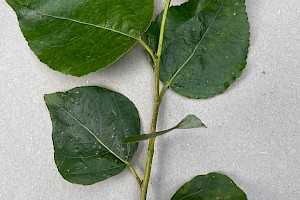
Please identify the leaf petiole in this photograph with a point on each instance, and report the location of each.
(153, 56)
(163, 90)
(136, 176)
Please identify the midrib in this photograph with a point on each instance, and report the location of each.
(195, 49)
(77, 21)
(89, 24)
(88, 130)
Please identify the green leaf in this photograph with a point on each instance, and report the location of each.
(208, 187)
(205, 46)
(189, 122)
(89, 126)
(77, 37)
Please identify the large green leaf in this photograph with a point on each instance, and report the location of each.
(205, 47)
(189, 122)
(213, 186)
(89, 126)
(81, 36)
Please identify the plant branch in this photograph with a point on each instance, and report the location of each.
(157, 101)
(162, 30)
(152, 140)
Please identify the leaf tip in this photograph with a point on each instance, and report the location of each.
(45, 97)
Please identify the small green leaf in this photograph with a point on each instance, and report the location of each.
(189, 122)
(77, 37)
(205, 46)
(89, 126)
(213, 186)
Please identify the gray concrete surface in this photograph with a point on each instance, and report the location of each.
(253, 134)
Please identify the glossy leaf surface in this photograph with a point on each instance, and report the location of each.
(89, 126)
(77, 37)
(208, 187)
(205, 46)
(189, 122)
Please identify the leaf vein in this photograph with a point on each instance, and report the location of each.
(105, 54)
(88, 130)
(198, 191)
(98, 171)
(194, 51)
(99, 42)
(82, 157)
(53, 33)
(77, 39)
(77, 21)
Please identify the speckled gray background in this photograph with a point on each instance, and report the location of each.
(253, 134)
